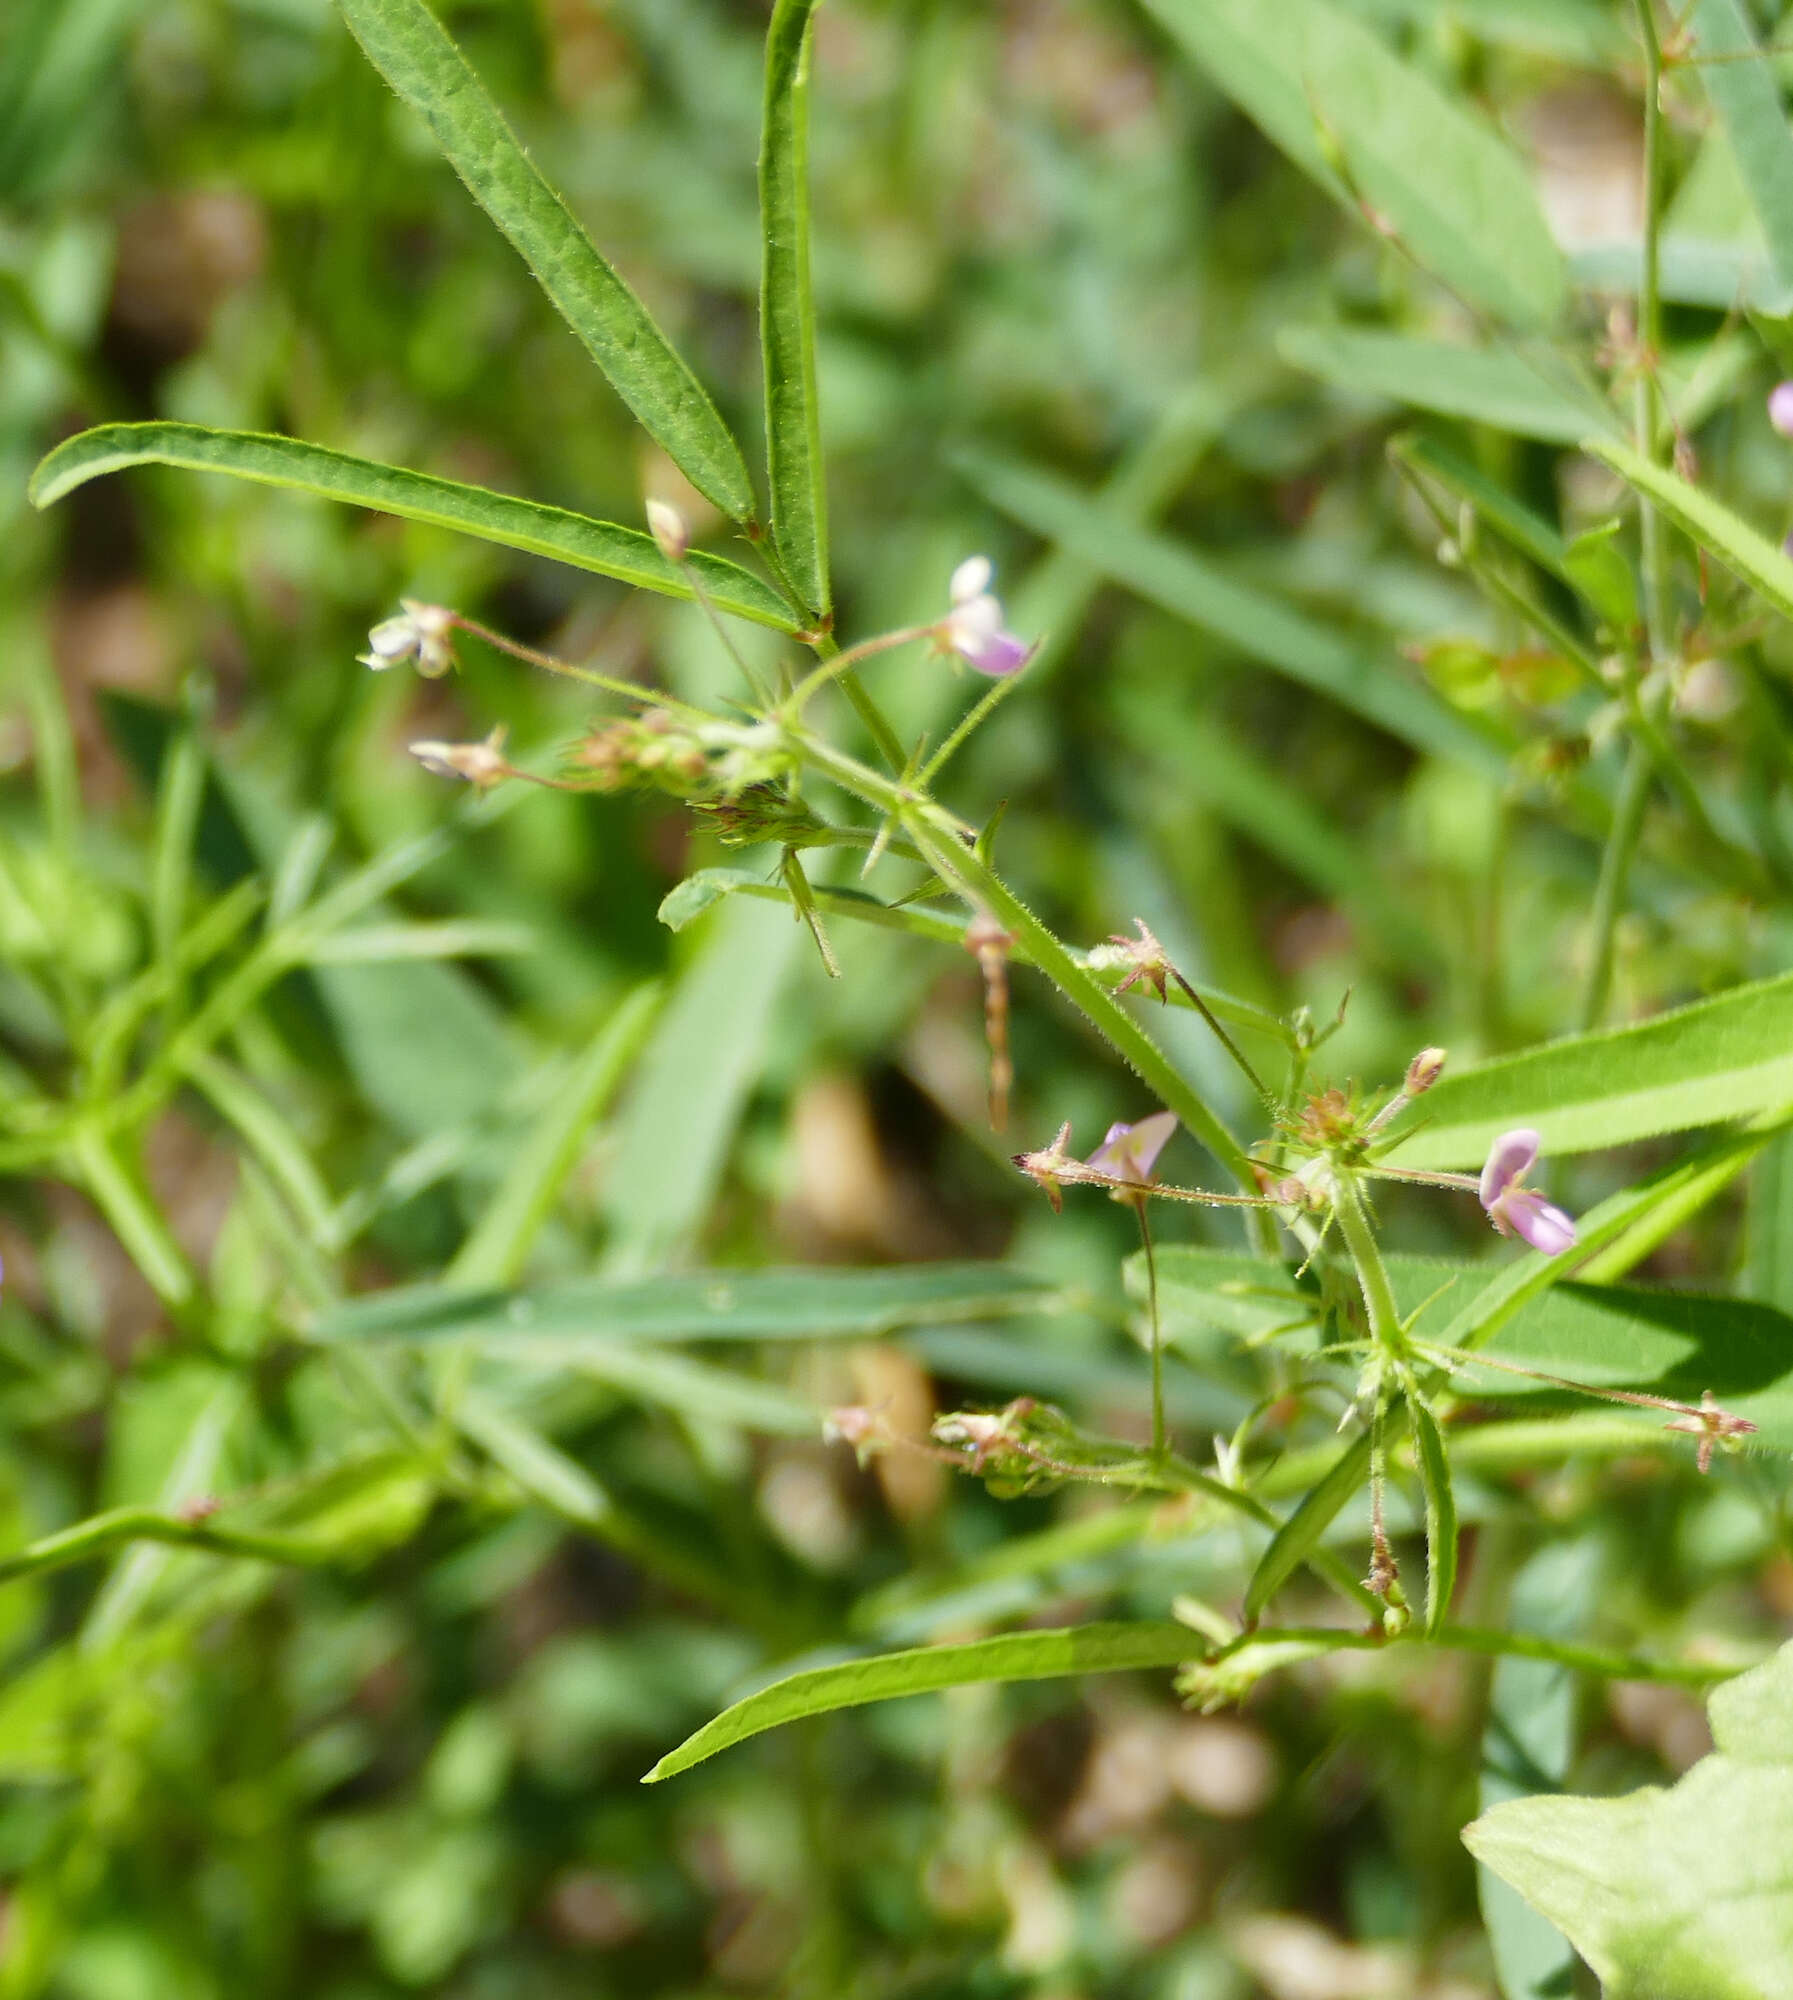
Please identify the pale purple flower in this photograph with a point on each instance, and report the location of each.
(1131, 1151)
(973, 627)
(1780, 408)
(420, 632)
(1515, 1209)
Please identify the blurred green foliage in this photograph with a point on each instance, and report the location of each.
(1051, 259)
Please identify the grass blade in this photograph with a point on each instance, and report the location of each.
(406, 44)
(787, 311)
(1182, 583)
(623, 553)
(1016, 1656)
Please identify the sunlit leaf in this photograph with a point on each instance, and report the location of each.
(623, 553)
(409, 47)
(1016, 1656)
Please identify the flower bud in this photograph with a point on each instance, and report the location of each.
(668, 528)
(481, 764)
(1423, 1072)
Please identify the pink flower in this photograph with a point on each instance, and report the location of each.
(1513, 1208)
(1131, 1151)
(973, 628)
(1780, 408)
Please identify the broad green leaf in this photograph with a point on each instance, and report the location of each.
(408, 46)
(1378, 135)
(1434, 1469)
(1016, 1656)
(787, 310)
(1497, 386)
(495, 1251)
(1707, 521)
(1527, 1745)
(1300, 1535)
(1745, 92)
(1674, 1345)
(1699, 1065)
(704, 1305)
(623, 553)
(1677, 1894)
(1182, 583)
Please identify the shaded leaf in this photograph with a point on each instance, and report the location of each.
(1485, 385)
(1300, 1535)
(1434, 1470)
(1376, 133)
(1745, 92)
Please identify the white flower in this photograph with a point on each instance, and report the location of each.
(420, 632)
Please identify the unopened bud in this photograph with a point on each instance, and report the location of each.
(667, 526)
(1424, 1071)
(481, 764)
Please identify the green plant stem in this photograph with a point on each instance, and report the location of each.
(943, 844)
(971, 722)
(1372, 1273)
(1160, 1441)
(834, 667)
(1615, 872)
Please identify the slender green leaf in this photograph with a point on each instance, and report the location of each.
(1707, 521)
(1299, 1536)
(1434, 1469)
(787, 310)
(1598, 569)
(1685, 1892)
(1379, 136)
(1495, 386)
(1699, 1065)
(1016, 1656)
(495, 1251)
(1745, 92)
(1182, 583)
(408, 46)
(704, 1305)
(623, 553)
(539, 1467)
(454, 937)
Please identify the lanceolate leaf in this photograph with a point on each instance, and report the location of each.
(1441, 1515)
(1487, 385)
(406, 44)
(1300, 1534)
(1017, 1656)
(1733, 541)
(1746, 94)
(1685, 1892)
(1182, 583)
(1382, 138)
(1700, 1065)
(787, 310)
(623, 553)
